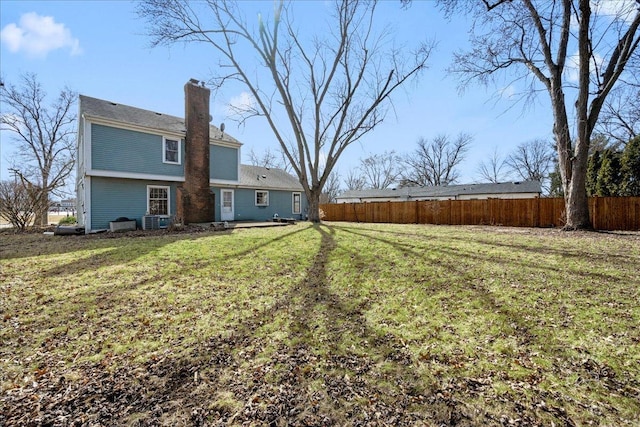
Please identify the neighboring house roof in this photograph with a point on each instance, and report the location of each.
(268, 178)
(444, 191)
(125, 114)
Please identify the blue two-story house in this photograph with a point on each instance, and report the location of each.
(137, 164)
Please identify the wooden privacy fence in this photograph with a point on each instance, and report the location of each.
(607, 213)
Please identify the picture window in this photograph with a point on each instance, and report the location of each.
(158, 200)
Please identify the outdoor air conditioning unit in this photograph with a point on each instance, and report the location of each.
(150, 222)
(154, 222)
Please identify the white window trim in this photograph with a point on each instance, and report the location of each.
(164, 150)
(293, 204)
(255, 199)
(166, 187)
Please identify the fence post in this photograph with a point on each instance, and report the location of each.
(621, 213)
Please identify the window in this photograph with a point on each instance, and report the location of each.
(295, 202)
(157, 200)
(171, 151)
(262, 198)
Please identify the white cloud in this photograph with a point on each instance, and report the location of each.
(37, 35)
(571, 68)
(571, 71)
(625, 9)
(507, 92)
(241, 104)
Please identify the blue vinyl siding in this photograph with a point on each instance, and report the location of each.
(112, 198)
(223, 162)
(280, 202)
(125, 150)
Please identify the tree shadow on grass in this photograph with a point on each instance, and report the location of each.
(567, 252)
(330, 368)
(313, 357)
(511, 261)
(129, 250)
(521, 321)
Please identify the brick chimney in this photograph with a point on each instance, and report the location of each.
(194, 201)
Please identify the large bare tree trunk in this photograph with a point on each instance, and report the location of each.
(313, 199)
(576, 201)
(573, 164)
(324, 91)
(537, 41)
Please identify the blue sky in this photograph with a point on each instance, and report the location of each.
(99, 49)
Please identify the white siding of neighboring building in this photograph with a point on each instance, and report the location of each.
(459, 197)
(498, 196)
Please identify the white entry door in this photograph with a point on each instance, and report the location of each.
(226, 211)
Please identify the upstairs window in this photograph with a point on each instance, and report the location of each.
(171, 151)
(262, 198)
(157, 200)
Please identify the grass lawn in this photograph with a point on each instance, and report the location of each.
(337, 324)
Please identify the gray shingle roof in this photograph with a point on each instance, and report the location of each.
(99, 108)
(451, 191)
(268, 178)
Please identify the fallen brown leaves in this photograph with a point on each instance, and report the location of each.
(330, 364)
(296, 387)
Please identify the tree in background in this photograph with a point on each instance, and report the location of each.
(620, 117)
(555, 182)
(494, 168)
(380, 170)
(319, 94)
(593, 168)
(609, 176)
(559, 45)
(269, 159)
(331, 188)
(44, 136)
(600, 142)
(532, 161)
(354, 180)
(435, 162)
(17, 204)
(631, 168)
(614, 172)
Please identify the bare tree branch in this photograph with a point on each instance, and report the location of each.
(269, 159)
(354, 181)
(380, 170)
(532, 161)
(533, 40)
(435, 162)
(318, 94)
(620, 117)
(44, 136)
(331, 188)
(18, 204)
(493, 168)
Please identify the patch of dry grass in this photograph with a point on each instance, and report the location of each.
(317, 325)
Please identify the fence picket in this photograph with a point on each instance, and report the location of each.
(607, 213)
